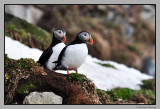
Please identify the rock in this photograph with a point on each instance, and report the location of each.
(25, 12)
(42, 98)
(148, 66)
(148, 14)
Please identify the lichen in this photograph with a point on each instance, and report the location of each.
(7, 77)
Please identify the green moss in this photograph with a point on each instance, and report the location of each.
(125, 93)
(26, 63)
(6, 60)
(101, 93)
(11, 27)
(38, 33)
(148, 84)
(106, 65)
(78, 77)
(22, 33)
(133, 48)
(123, 57)
(25, 89)
(113, 95)
(148, 90)
(149, 95)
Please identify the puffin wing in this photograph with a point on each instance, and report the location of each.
(45, 56)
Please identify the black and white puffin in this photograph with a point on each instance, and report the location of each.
(52, 52)
(73, 55)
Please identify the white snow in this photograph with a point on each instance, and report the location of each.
(16, 50)
(104, 78)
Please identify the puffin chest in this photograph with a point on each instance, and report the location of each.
(74, 56)
(54, 56)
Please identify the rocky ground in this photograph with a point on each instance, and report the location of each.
(24, 76)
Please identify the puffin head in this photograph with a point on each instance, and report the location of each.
(60, 35)
(85, 36)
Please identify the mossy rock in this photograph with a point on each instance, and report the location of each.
(24, 28)
(26, 88)
(78, 77)
(148, 84)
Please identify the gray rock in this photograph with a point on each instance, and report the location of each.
(42, 98)
(148, 66)
(26, 12)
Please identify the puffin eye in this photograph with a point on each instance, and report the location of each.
(60, 32)
(85, 35)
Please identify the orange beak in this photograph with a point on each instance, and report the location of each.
(64, 40)
(91, 42)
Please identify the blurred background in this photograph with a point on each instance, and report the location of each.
(121, 33)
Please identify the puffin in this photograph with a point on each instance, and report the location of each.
(73, 55)
(52, 52)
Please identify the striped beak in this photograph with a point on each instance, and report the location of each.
(91, 41)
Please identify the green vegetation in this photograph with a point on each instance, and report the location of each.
(107, 96)
(123, 57)
(126, 94)
(26, 63)
(78, 77)
(6, 60)
(148, 84)
(112, 25)
(106, 65)
(133, 48)
(11, 27)
(23, 33)
(21, 63)
(113, 95)
(24, 28)
(25, 89)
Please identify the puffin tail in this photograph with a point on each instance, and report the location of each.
(55, 62)
(55, 68)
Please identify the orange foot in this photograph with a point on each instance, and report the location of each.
(68, 71)
(76, 71)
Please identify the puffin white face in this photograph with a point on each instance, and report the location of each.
(85, 37)
(60, 34)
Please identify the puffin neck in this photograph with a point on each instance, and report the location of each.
(77, 41)
(55, 41)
